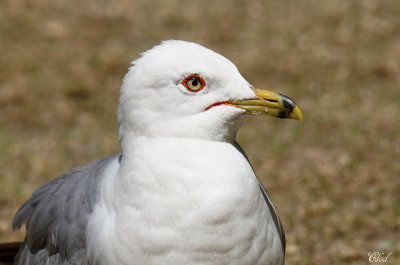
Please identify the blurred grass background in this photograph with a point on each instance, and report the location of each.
(335, 179)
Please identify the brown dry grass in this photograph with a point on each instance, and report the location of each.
(335, 179)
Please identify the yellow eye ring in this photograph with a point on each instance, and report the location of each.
(194, 83)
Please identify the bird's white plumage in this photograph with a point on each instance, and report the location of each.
(182, 193)
(184, 201)
(153, 101)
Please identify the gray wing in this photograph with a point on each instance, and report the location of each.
(56, 217)
(271, 207)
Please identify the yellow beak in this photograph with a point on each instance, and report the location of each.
(270, 103)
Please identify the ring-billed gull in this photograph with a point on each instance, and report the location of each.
(181, 191)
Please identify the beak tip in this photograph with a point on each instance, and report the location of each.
(297, 114)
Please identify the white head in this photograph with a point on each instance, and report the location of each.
(182, 89)
(155, 101)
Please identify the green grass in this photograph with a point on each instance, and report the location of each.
(334, 179)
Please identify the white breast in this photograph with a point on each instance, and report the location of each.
(182, 202)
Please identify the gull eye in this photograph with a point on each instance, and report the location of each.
(194, 83)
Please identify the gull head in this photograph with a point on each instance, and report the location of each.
(182, 89)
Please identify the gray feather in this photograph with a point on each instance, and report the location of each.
(271, 207)
(56, 217)
(25, 257)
